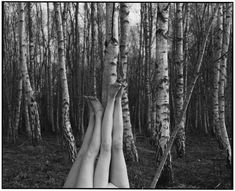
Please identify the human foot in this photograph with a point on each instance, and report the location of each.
(121, 90)
(96, 105)
(113, 90)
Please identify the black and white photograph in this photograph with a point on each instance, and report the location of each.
(117, 94)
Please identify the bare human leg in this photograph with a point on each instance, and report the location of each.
(72, 176)
(101, 177)
(86, 171)
(118, 173)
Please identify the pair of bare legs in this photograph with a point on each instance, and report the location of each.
(104, 136)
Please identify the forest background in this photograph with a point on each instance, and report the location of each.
(177, 62)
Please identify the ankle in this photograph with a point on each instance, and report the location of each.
(110, 99)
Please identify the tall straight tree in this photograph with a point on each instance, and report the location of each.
(19, 86)
(147, 41)
(179, 67)
(111, 50)
(64, 86)
(186, 45)
(16, 121)
(162, 85)
(30, 95)
(50, 74)
(129, 144)
(216, 72)
(31, 64)
(100, 23)
(188, 96)
(227, 18)
(93, 48)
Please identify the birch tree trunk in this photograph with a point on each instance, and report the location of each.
(129, 143)
(179, 67)
(93, 48)
(111, 50)
(50, 75)
(147, 65)
(226, 37)
(186, 102)
(64, 86)
(30, 131)
(186, 47)
(100, 24)
(162, 99)
(216, 72)
(30, 96)
(31, 43)
(15, 125)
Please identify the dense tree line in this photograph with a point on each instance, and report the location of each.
(176, 63)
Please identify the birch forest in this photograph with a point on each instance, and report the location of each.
(175, 60)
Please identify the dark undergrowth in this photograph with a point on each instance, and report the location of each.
(204, 166)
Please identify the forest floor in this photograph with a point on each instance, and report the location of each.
(204, 166)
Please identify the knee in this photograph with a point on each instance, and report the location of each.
(117, 146)
(91, 153)
(94, 148)
(106, 147)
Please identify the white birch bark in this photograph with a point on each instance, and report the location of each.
(30, 96)
(128, 139)
(216, 71)
(223, 66)
(162, 100)
(64, 86)
(179, 67)
(111, 50)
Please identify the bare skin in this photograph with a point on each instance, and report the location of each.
(101, 177)
(72, 177)
(118, 173)
(110, 170)
(85, 175)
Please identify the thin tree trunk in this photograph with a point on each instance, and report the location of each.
(162, 101)
(147, 67)
(111, 50)
(29, 130)
(93, 48)
(30, 96)
(18, 105)
(216, 72)
(50, 76)
(186, 47)
(100, 42)
(186, 102)
(139, 71)
(179, 66)
(31, 43)
(64, 84)
(226, 37)
(129, 143)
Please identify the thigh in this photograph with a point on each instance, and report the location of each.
(110, 185)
